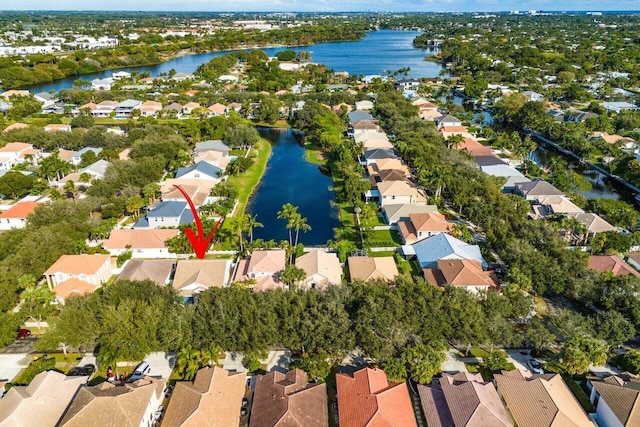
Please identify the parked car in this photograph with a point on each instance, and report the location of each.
(535, 366)
(23, 333)
(81, 371)
(142, 370)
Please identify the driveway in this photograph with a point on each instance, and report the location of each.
(277, 360)
(453, 363)
(519, 358)
(12, 364)
(20, 346)
(161, 364)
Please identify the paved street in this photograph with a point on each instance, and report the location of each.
(12, 364)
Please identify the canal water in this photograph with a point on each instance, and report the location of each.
(289, 178)
(377, 53)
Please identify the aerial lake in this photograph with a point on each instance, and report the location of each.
(289, 178)
(377, 53)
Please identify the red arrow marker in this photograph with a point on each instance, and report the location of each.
(200, 243)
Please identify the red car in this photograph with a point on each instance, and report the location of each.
(23, 333)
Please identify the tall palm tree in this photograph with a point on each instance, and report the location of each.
(188, 362)
(300, 223)
(210, 354)
(70, 187)
(236, 226)
(288, 212)
(251, 222)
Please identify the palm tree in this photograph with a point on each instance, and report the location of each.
(289, 212)
(188, 362)
(210, 354)
(236, 228)
(251, 222)
(300, 223)
(70, 187)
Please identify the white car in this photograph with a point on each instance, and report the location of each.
(535, 366)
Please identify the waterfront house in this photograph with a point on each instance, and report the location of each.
(118, 75)
(397, 192)
(540, 400)
(535, 189)
(213, 399)
(592, 222)
(448, 120)
(195, 276)
(42, 402)
(102, 84)
(45, 98)
(549, 205)
(366, 268)
(394, 213)
(323, 269)
(367, 398)
(462, 400)
(261, 270)
(443, 247)
(617, 401)
(16, 216)
(156, 270)
(372, 140)
(142, 243)
(463, 274)
(107, 404)
(372, 156)
(288, 399)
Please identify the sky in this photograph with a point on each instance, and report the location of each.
(323, 5)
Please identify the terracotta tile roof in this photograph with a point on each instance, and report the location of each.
(434, 406)
(366, 398)
(90, 105)
(15, 126)
(112, 405)
(73, 287)
(474, 148)
(269, 261)
(78, 264)
(635, 257)
(464, 273)
(454, 129)
(15, 147)
(213, 399)
(19, 210)
(156, 270)
(611, 263)
(139, 238)
(287, 400)
(372, 268)
(540, 400)
(399, 188)
(392, 164)
(57, 127)
(622, 400)
(42, 402)
(473, 402)
(217, 108)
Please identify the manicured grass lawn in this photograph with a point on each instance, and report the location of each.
(280, 124)
(55, 361)
(314, 156)
(246, 183)
(383, 236)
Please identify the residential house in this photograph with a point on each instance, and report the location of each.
(78, 274)
(180, 77)
(102, 84)
(57, 128)
(366, 268)
(156, 270)
(107, 404)
(5, 106)
(13, 153)
(372, 140)
(323, 269)
(611, 139)
(532, 96)
(14, 92)
(217, 109)
(617, 107)
(363, 126)
(15, 126)
(407, 84)
(367, 398)
(194, 276)
(550, 205)
(262, 267)
(387, 164)
(537, 188)
(400, 212)
(617, 401)
(288, 400)
(124, 110)
(104, 109)
(189, 107)
(173, 109)
(420, 226)
(448, 120)
(474, 148)
(511, 175)
(118, 75)
(142, 243)
(540, 400)
(592, 222)
(198, 191)
(387, 175)
(166, 214)
(612, 264)
(449, 131)
(76, 158)
(16, 216)
(463, 274)
(41, 403)
(395, 192)
(215, 146)
(150, 108)
(463, 400)
(580, 116)
(634, 260)
(234, 106)
(213, 399)
(364, 105)
(45, 98)
(356, 116)
(201, 170)
(372, 156)
(443, 247)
